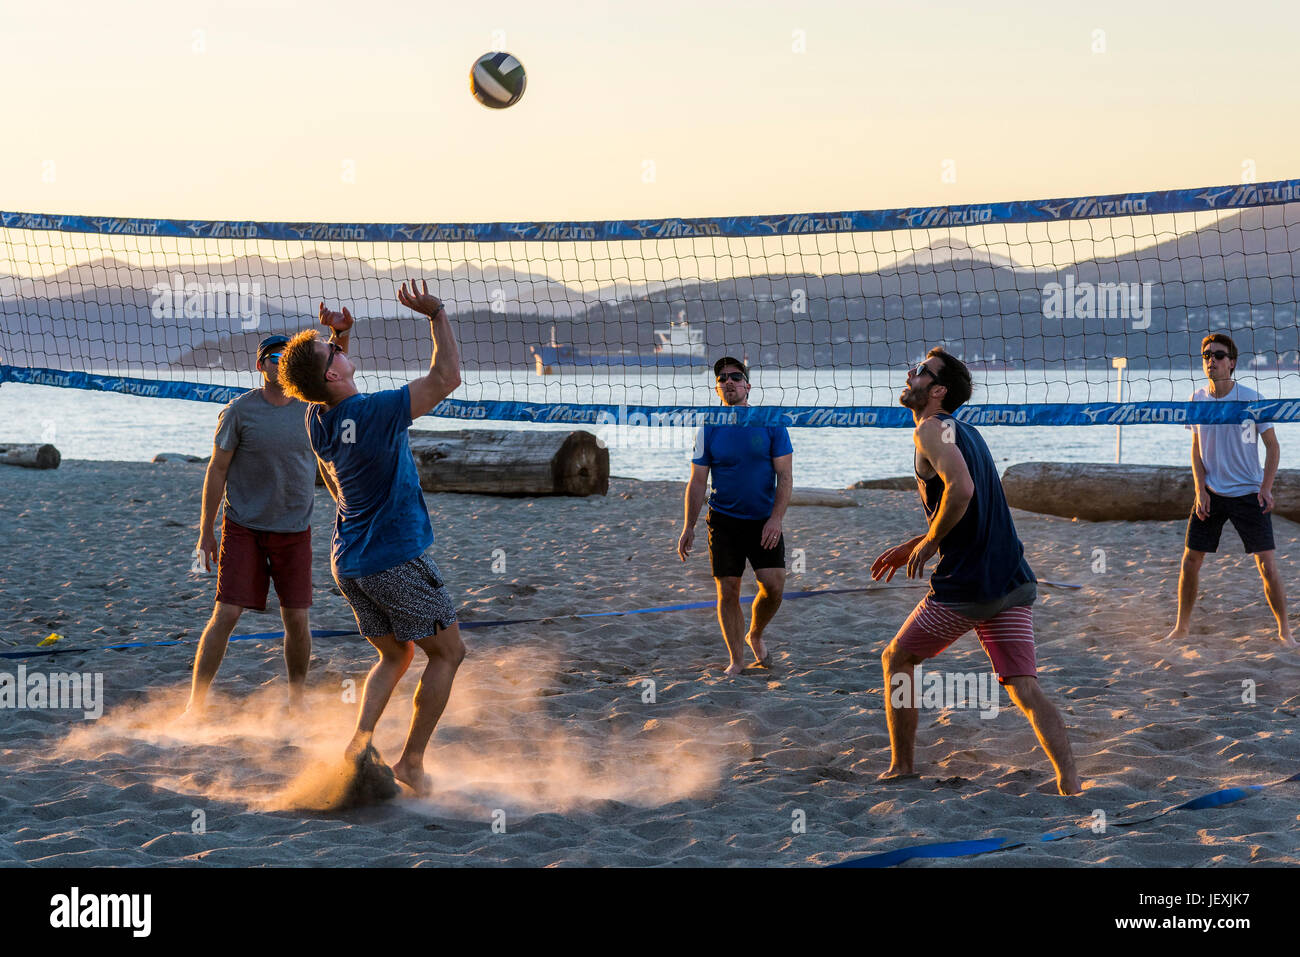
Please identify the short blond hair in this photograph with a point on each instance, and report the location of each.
(302, 369)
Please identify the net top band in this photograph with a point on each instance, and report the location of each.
(1201, 199)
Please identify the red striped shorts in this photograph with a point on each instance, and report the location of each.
(1007, 638)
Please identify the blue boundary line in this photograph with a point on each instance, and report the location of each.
(495, 623)
(947, 849)
(886, 417)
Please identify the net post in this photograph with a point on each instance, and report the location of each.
(1119, 363)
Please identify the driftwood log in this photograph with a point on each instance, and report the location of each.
(34, 456)
(504, 462)
(821, 497)
(899, 483)
(1108, 493)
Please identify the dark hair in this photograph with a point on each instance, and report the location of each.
(302, 369)
(1223, 339)
(955, 377)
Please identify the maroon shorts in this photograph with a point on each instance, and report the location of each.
(1008, 637)
(250, 560)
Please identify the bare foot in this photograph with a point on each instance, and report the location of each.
(897, 774)
(1178, 634)
(733, 669)
(357, 747)
(413, 776)
(761, 658)
(1072, 786)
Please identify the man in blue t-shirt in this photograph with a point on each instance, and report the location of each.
(752, 475)
(381, 530)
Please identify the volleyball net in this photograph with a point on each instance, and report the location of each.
(591, 322)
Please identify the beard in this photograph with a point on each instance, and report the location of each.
(912, 398)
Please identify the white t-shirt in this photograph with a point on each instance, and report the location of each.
(1230, 453)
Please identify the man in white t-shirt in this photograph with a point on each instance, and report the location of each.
(1230, 487)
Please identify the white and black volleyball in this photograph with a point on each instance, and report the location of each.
(497, 80)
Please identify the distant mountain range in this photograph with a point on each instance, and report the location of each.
(1236, 275)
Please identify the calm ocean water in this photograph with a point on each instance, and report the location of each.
(109, 426)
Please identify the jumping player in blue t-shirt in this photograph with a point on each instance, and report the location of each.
(382, 530)
(752, 475)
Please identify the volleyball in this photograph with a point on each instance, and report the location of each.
(497, 80)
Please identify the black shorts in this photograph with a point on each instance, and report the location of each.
(1248, 517)
(733, 541)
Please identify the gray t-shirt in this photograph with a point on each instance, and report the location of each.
(271, 485)
(1230, 453)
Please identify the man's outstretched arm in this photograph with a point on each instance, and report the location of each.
(443, 377)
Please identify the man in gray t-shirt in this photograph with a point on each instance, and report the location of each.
(1231, 486)
(263, 471)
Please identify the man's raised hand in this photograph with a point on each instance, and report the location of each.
(422, 301)
(338, 321)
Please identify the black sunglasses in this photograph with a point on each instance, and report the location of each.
(921, 368)
(335, 349)
(1214, 354)
(733, 376)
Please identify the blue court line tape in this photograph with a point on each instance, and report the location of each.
(38, 652)
(899, 855)
(496, 623)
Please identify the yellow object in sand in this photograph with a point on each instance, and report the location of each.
(53, 637)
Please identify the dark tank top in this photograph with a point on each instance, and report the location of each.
(981, 558)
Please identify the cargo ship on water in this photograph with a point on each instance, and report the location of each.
(676, 346)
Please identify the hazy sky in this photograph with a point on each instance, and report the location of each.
(347, 111)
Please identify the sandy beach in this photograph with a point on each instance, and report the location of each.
(556, 749)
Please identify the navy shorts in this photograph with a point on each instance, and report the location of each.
(408, 601)
(733, 541)
(1248, 517)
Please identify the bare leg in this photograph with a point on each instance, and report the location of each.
(771, 586)
(446, 651)
(394, 659)
(732, 620)
(212, 648)
(901, 719)
(297, 650)
(1189, 576)
(1266, 562)
(1050, 729)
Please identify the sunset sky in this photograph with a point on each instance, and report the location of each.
(347, 112)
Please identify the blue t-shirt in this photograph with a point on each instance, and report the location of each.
(382, 520)
(740, 456)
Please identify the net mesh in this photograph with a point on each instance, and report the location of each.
(1038, 299)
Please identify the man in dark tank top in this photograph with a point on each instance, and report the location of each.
(982, 581)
